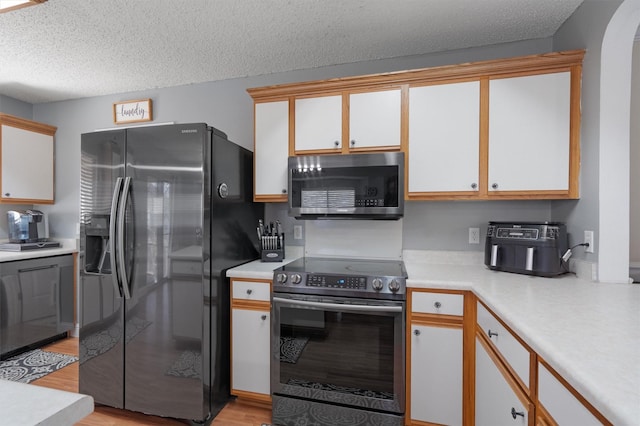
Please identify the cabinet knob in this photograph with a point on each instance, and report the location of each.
(249, 291)
(7, 194)
(336, 144)
(353, 142)
(284, 190)
(494, 185)
(416, 332)
(491, 333)
(437, 305)
(264, 317)
(515, 413)
(474, 185)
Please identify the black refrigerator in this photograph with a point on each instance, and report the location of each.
(164, 212)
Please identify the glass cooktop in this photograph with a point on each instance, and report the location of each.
(368, 267)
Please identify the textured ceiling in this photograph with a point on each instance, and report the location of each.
(65, 49)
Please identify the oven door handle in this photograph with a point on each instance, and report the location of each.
(340, 306)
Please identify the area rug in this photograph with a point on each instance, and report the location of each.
(291, 348)
(188, 365)
(33, 365)
(100, 342)
(340, 389)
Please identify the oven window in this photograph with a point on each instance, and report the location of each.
(344, 352)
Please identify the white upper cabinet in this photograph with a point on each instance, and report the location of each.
(444, 132)
(529, 126)
(27, 161)
(271, 149)
(374, 119)
(318, 123)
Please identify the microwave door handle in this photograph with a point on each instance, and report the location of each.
(117, 192)
(120, 232)
(340, 306)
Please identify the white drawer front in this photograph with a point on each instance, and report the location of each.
(251, 290)
(516, 355)
(437, 303)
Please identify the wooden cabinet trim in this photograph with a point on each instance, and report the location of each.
(546, 62)
(573, 392)
(24, 124)
(258, 399)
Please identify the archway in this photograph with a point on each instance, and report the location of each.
(615, 108)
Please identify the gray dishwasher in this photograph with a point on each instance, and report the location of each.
(36, 302)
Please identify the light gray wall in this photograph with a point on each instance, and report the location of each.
(9, 105)
(634, 225)
(226, 105)
(585, 30)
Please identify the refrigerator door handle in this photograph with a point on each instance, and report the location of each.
(112, 235)
(122, 270)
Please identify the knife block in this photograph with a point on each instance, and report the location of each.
(272, 255)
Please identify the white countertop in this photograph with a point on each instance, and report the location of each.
(588, 332)
(67, 246)
(23, 404)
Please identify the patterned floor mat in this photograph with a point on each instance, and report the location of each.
(33, 365)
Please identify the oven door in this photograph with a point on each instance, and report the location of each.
(343, 351)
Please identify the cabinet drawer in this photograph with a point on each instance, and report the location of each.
(510, 348)
(251, 290)
(437, 303)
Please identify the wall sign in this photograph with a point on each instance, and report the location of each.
(132, 111)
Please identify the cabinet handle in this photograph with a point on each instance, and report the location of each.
(491, 333)
(515, 413)
(264, 317)
(249, 291)
(353, 142)
(494, 185)
(416, 332)
(336, 144)
(437, 305)
(474, 185)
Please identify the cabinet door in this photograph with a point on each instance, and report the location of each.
(374, 119)
(444, 137)
(271, 148)
(27, 165)
(529, 124)
(560, 403)
(250, 357)
(436, 374)
(318, 123)
(497, 403)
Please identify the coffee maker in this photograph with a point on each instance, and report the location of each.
(27, 226)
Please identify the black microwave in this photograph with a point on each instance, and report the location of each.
(350, 186)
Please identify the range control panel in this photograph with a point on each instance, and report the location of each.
(332, 281)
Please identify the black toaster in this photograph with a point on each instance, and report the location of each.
(533, 248)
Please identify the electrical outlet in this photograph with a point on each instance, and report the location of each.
(297, 232)
(474, 235)
(588, 238)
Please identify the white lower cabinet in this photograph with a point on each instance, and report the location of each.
(250, 347)
(436, 374)
(497, 402)
(560, 403)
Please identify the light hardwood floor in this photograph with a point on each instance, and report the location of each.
(234, 414)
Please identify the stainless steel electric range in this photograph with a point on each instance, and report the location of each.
(338, 342)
